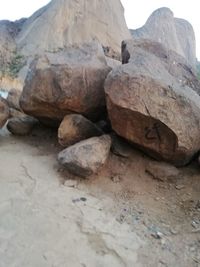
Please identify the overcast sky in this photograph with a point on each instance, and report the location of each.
(136, 12)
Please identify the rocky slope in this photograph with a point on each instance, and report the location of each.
(66, 22)
(60, 24)
(176, 34)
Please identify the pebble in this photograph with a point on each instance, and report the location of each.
(71, 183)
(83, 199)
(157, 235)
(116, 179)
(195, 224)
(180, 187)
(173, 232)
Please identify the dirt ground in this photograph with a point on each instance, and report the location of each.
(120, 217)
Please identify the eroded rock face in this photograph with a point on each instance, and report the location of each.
(75, 128)
(176, 34)
(4, 112)
(152, 103)
(50, 29)
(86, 157)
(66, 82)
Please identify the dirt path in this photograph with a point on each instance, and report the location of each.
(122, 217)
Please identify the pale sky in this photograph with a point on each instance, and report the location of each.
(136, 12)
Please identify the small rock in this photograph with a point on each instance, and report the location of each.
(21, 125)
(120, 147)
(116, 178)
(83, 199)
(75, 128)
(180, 187)
(162, 171)
(173, 232)
(71, 183)
(157, 235)
(86, 157)
(163, 263)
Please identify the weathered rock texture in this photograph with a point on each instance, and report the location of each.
(162, 171)
(86, 157)
(176, 34)
(67, 22)
(7, 43)
(4, 112)
(56, 26)
(13, 99)
(75, 128)
(9, 57)
(21, 125)
(152, 103)
(14, 113)
(66, 82)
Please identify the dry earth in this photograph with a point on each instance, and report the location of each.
(120, 217)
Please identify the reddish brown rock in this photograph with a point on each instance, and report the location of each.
(152, 103)
(75, 128)
(66, 82)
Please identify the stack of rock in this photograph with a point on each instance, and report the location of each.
(151, 100)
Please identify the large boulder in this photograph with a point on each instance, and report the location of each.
(176, 34)
(70, 81)
(75, 128)
(4, 112)
(86, 157)
(67, 22)
(152, 101)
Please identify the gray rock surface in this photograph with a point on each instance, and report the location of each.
(176, 34)
(50, 29)
(86, 157)
(152, 103)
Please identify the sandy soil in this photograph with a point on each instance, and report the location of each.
(120, 217)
